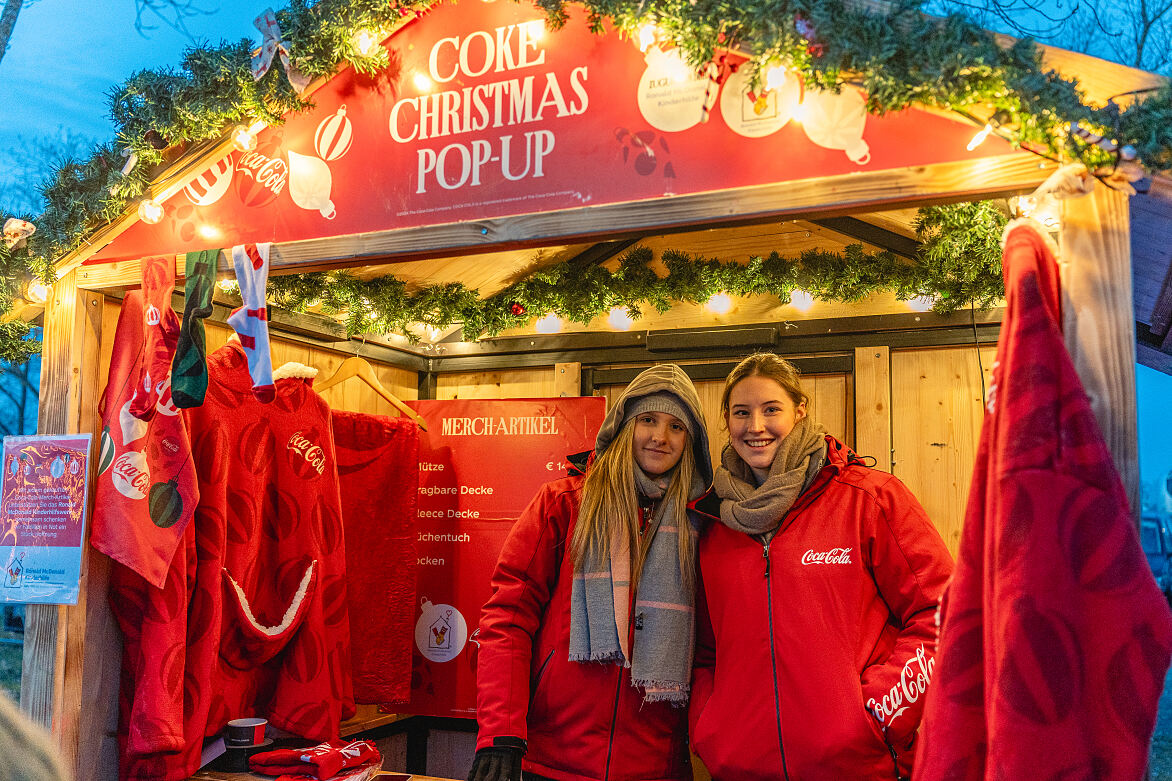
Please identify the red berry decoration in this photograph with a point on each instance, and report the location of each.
(516, 309)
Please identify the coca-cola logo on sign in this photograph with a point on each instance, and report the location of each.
(832, 556)
(131, 475)
(260, 176)
(310, 452)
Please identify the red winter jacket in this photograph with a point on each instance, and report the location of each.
(583, 721)
(797, 639)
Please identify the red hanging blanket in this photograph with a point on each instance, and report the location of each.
(378, 470)
(1054, 639)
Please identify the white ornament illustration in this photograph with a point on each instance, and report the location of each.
(210, 186)
(131, 475)
(310, 182)
(760, 112)
(165, 404)
(837, 122)
(673, 96)
(132, 428)
(440, 631)
(333, 136)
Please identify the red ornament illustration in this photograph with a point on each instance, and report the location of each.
(333, 136)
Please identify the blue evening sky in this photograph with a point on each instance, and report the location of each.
(66, 54)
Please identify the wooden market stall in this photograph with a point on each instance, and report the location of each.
(904, 386)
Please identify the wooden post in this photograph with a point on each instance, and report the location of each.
(873, 404)
(51, 681)
(1098, 319)
(567, 379)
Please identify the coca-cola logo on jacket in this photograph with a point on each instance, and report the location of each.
(306, 456)
(832, 556)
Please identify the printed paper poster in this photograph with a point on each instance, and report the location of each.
(43, 497)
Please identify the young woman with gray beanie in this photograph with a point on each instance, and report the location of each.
(586, 643)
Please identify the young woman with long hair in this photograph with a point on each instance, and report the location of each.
(586, 643)
(816, 635)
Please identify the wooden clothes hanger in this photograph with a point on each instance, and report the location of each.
(355, 366)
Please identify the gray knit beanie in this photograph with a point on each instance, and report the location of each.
(661, 401)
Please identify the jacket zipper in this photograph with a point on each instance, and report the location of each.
(540, 675)
(773, 659)
(613, 721)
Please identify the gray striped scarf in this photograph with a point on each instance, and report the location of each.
(661, 659)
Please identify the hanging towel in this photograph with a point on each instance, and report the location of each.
(378, 472)
(146, 488)
(1054, 637)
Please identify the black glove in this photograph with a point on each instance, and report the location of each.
(497, 763)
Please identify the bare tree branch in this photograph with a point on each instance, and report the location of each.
(8, 22)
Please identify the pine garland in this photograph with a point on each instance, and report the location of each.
(959, 265)
(899, 58)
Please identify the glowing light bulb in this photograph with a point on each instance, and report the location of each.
(365, 42)
(227, 285)
(619, 319)
(243, 138)
(980, 137)
(801, 300)
(921, 303)
(550, 324)
(775, 77)
(150, 211)
(719, 304)
(208, 231)
(647, 35)
(36, 292)
(422, 82)
(536, 29)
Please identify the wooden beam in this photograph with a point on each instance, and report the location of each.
(872, 234)
(1098, 320)
(52, 690)
(1161, 317)
(873, 404)
(991, 177)
(567, 379)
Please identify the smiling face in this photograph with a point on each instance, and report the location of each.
(760, 415)
(659, 441)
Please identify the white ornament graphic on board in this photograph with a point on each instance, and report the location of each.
(310, 182)
(672, 96)
(756, 113)
(837, 122)
(333, 136)
(210, 186)
(132, 428)
(440, 632)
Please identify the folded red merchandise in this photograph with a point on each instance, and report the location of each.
(322, 761)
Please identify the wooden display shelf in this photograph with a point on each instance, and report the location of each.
(367, 717)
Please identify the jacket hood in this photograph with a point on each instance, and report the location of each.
(664, 377)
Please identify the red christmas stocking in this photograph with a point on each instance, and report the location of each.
(250, 321)
(159, 337)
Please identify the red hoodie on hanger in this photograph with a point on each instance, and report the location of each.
(1054, 637)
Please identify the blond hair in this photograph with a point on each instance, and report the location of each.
(768, 365)
(609, 503)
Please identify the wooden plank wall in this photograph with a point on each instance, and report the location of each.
(511, 384)
(936, 412)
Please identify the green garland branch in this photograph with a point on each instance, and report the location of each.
(899, 58)
(959, 265)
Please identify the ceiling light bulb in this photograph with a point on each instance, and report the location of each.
(36, 292)
(801, 300)
(719, 304)
(243, 138)
(537, 29)
(550, 324)
(980, 137)
(422, 82)
(208, 231)
(921, 303)
(647, 35)
(227, 285)
(365, 41)
(619, 319)
(150, 211)
(775, 77)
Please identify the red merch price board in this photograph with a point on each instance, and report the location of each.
(481, 462)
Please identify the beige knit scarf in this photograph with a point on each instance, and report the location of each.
(758, 509)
